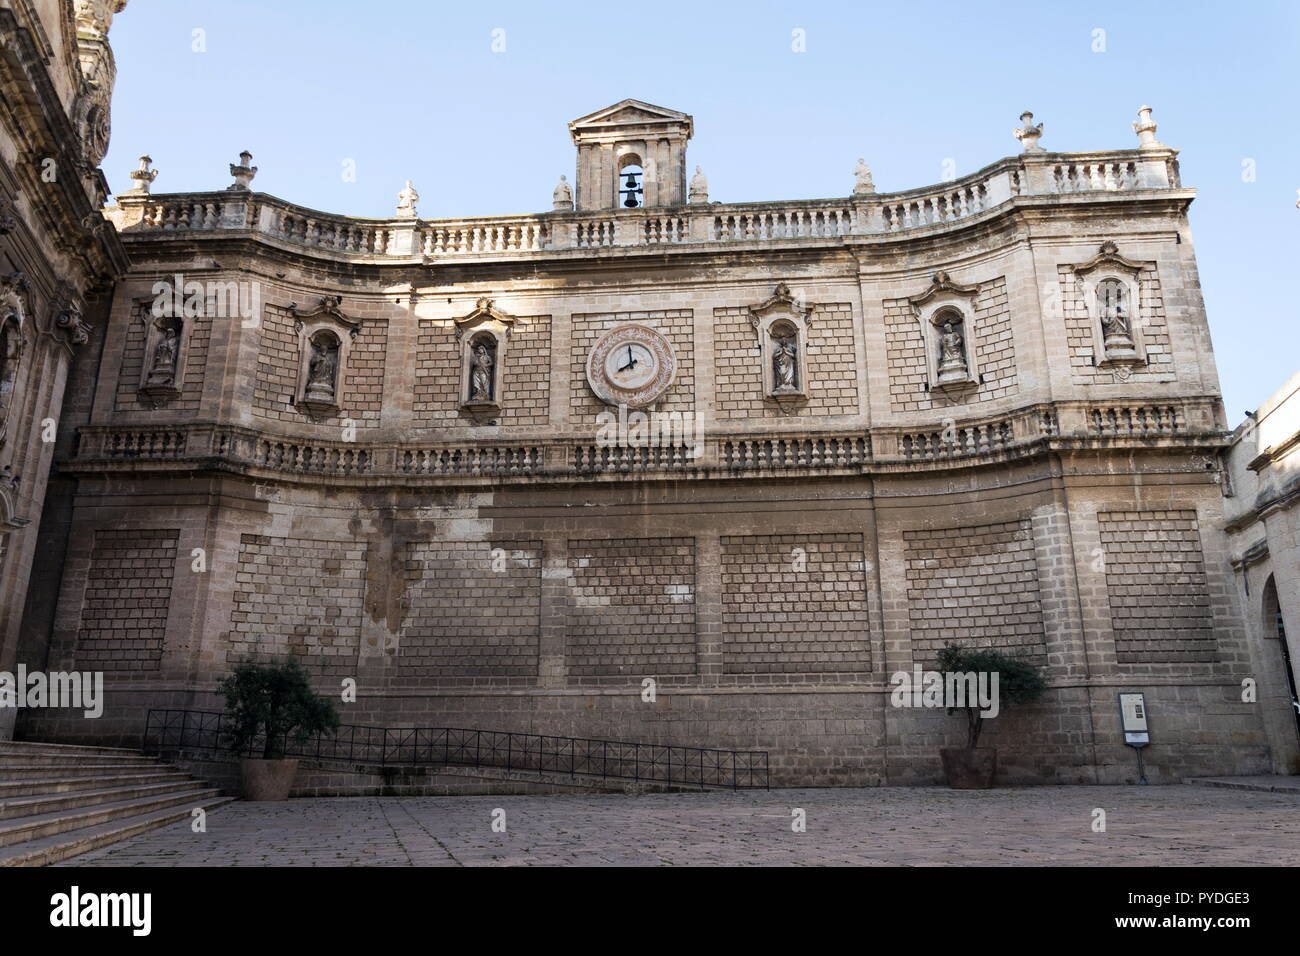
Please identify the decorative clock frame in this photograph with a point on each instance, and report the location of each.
(628, 334)
(327, 319)
(781, 312)
(1108, 264)
(486, 324)
(931, 307)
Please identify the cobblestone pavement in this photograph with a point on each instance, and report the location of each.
(1171, 825)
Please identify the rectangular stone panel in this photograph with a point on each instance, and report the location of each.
(831, 366)
(299, 596)
(993, 342)
(976, 586)
(794, 604)
(473, 609)
(1155, 582)
(525, 375)
(632, 608)
(128, 589)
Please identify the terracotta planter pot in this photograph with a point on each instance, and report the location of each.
(968, 769)
(267, 779)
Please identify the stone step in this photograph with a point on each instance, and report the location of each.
(27, 746)
(51, 849)
(33, 758)
(14, 772)
(58, 782)
(41, 803)
(61, 821)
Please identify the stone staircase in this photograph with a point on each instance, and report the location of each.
(57, 801)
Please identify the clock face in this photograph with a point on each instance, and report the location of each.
(631, 365)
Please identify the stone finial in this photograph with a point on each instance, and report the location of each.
(1028, 133)
(244, 172)
(862, 184)
(406, 200)
(562, 195)
(699, 187)
(144, 177)
(1145, 127)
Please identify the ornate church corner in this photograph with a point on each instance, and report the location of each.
(782, 323)
(325, 335)
(482, 336)
(1110, 285)
(946, 312)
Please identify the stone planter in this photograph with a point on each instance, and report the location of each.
(968, 769)
(266, 779)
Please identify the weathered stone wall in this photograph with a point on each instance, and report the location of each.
(518, 571)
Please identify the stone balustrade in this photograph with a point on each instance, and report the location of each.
(876, 214)
(945, 444)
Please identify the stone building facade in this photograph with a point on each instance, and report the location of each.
(1263, 524)
(59, 258)
(503, 471)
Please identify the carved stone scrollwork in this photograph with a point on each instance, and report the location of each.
(14, 292)
(70, 321)
(8, 222)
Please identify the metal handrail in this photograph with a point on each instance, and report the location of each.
(172, 730)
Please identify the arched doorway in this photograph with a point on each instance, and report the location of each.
(1276, 629)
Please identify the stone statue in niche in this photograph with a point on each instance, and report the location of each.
(163, 369)
(1116, 324)
(785, 364)
(952, 355)
(322, 369)
(480, 373)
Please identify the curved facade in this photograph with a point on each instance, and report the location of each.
(502, 471)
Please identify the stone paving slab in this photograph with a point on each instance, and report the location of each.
(888, 826)
(1267, 784)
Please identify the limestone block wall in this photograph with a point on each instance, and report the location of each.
(749, 649)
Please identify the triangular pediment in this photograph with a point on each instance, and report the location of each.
(630, 113)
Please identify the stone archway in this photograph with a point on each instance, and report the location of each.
(1275, 630)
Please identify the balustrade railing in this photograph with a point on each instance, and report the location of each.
(1113, 172)
(758, 453)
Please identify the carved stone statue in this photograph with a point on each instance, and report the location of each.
(785, 365)
(952, 356)
(1116, 324)
(862, 184)
(480, 375)
(163, 369)
(562, 197)
(699, 187)
(406, 201)
(322, 369)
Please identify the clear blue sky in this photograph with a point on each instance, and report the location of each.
(413, 89)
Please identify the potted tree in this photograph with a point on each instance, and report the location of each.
(1019, 682)
(269, 704)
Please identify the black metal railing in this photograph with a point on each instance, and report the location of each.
(171, 731)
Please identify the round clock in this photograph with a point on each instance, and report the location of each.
(631, 365)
